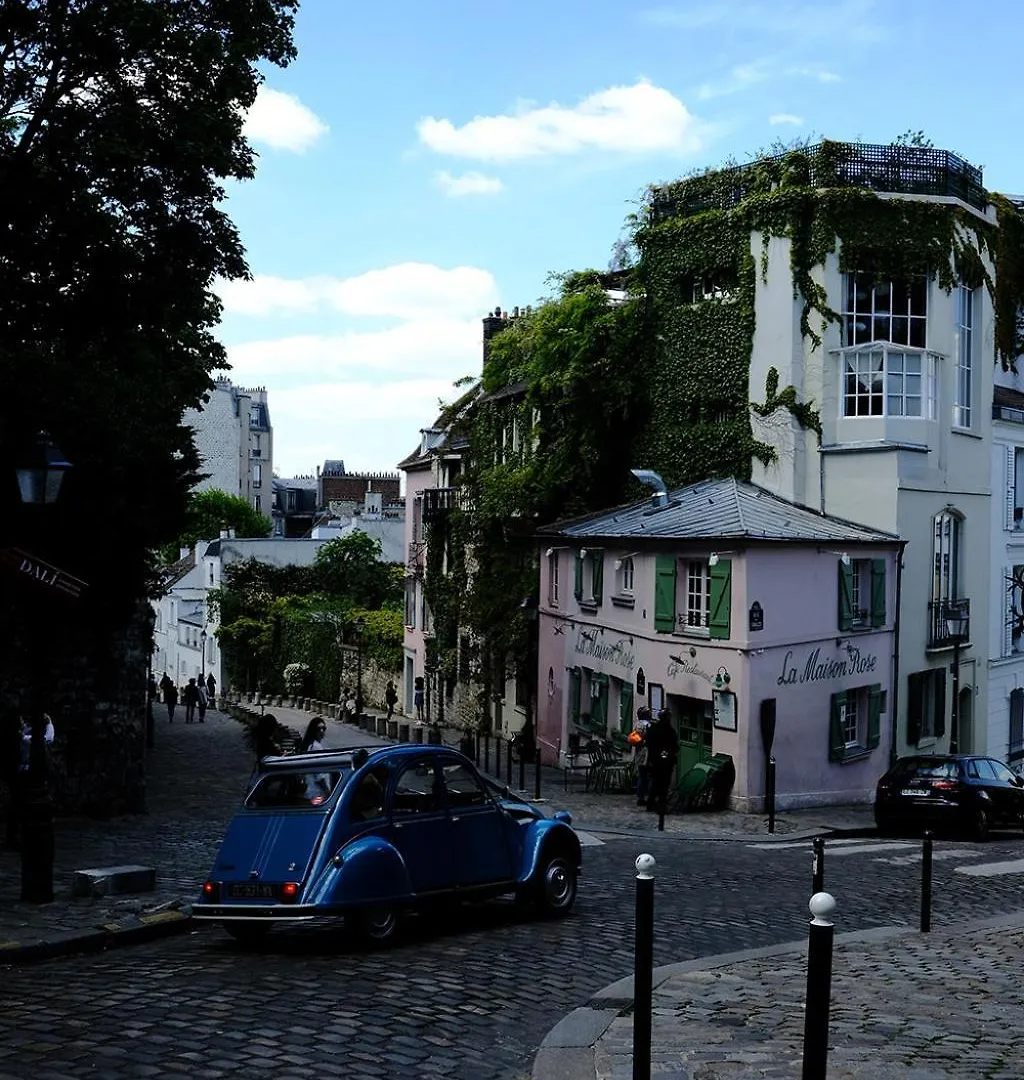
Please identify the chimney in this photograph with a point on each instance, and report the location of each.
(494, 322)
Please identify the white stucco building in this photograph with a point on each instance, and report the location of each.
(235, 440)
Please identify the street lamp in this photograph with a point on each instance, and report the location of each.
(40, 477)
(958, 627)
(359, 626)
(202, 655)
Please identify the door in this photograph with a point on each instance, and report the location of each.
(479, 832)
(1006, 791)
(408, 685)
(421, 826)
(695, 728)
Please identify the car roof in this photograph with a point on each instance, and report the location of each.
(342, 756)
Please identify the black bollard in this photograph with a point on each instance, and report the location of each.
(926, 883)
(770, 794)
(818, 877)
(819, 987)
(487, 753)
(508, 763)
(536, 773)
(643, 967)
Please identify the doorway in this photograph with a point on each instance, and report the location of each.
(961, 740)
(695, 723)
(408, 685)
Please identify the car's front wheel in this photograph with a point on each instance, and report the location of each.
(376, 925)
(982, 823)
(557, 886)
(249, 931)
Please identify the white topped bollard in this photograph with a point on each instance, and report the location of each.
(819, 986)
(643, 967)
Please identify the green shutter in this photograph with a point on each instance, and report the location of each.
(874, 716)
(665, 594)
(836, 741)
(626, 708)
(878, 592)
(574, 695)
(915, 702)
(721, 598)
(598, 563)
(845, 596)
(578, 585)
(939, 697)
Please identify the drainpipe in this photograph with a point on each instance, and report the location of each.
(894, 697)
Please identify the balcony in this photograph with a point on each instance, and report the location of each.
(949, 623)
(439, 501)
(417, 556)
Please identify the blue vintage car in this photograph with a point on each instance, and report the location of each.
(370, 833)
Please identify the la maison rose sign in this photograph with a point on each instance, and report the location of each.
(814, 668)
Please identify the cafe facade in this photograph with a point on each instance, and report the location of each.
(764, 627)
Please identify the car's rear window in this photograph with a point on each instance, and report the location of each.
(277, 790)
(929, 768)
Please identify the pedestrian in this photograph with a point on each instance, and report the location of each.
(202, 702)
(418, 696)
(662, 751)
(267, 741)
(211, 689)
(191, 701)
(20, 783)
(165, 685)
(171, 701)
(390, 698)
(313, 739)
(641, 754)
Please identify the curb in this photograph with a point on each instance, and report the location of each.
(131, 931)
(837, 832)
(567, 1052)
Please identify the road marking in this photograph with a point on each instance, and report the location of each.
(589, 840)
(943, 854)
(993, 869)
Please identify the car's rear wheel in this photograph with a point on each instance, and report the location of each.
(556, 892)
(982, 823)
(248, 932)
(376, 925)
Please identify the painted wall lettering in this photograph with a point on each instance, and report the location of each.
(815, 668)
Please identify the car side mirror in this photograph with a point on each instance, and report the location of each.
(1018, 779)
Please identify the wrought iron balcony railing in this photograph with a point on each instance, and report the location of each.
(949, 623)
(438, 501)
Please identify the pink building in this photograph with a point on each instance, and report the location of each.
(725, 604)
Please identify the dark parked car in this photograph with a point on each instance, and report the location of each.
(368, 834)
(956, 791)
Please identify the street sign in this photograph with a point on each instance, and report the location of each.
(42, 573)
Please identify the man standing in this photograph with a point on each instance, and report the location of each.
(211, 690)
(191, 701)
(642, 755)
(390, 698)
(662, 751)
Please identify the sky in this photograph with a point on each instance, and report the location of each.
(422, 161)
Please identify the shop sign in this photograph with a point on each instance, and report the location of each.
(621, 654)
(815, 669)
(687, 666)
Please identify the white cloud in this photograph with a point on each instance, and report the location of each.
(405, 291)
(821, 74)
(282, 122)
(785, 118)
(470, 183)
(740, 78)
(638, 118)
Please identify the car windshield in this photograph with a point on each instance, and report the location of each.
(929, 768)
(292, 789)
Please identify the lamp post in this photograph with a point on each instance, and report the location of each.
(529, 610)
(202, 654)
(359, 626)
(39, 484)
(958, 622)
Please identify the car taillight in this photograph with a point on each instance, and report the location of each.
(210, 890)
(945, 785)
(289, 890)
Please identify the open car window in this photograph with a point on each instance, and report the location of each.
(462, 786)
(417, 790)
(276, 791)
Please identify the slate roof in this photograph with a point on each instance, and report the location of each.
(178, 569)
(718, 510)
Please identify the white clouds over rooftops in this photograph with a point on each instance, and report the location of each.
(632, 119)
(410, 291)
(470, 183)
(785, 118)
(281, 121)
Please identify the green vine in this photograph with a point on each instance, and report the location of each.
(805, 415)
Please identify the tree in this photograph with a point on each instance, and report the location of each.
(350, 567)
(210, 511)
(120, 120)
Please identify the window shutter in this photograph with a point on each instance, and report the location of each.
(626, 708)
(598, 563)
(1010, 492)
(721, 598)
(845, 596)
(877, 592)
(915, 695)
(578, 583)
(939, 697)
(874, 716)
(1007, 647)
(574, 695)
(665, 594)
(836, 742)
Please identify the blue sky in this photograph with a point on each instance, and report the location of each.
(421, 162)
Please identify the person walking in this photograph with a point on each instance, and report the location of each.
(171, 701)
(662, 751)
(202, 701)
(211, 690)
(642, 754)
(165, 685)
(191, 701)
(418, 696)
(316, 731)
(390, 698)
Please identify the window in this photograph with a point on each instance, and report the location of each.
(257, 475)
(708, 596)
(698, 594)
(410, 603)
(461, 786)
(1013, 610)
(895, 311)
(861, 594)
(589, 583)
(882, 381)
(626, 575)
(290, 502)
(522, 688)
(211, 574)
(964, 356)
(255, 445)
(946, 556)
(855, 722)
(292, 789)
(926, 705)
(258, 504)
(553, 578)
(417, 519)
(1016, 750)
(417, 790)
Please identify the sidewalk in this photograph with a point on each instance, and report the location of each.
(904, 1006)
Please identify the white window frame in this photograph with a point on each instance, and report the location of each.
(853, 713)
(410, 603)
(881, 382)
(947, 548)
(697, 613)
(963, 377)
(880, 315)
(627, 576)
(553, 582)
(257, 475)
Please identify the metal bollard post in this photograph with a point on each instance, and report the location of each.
(818, 877)
(926, 884)
(536, 773)
(643, 967)
(770, 778)
(819, 987)
(508, 763)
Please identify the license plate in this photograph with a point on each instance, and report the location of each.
(252, 891)
(913, 791)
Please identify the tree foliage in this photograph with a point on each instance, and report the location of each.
(208, 512)
(120, 121)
